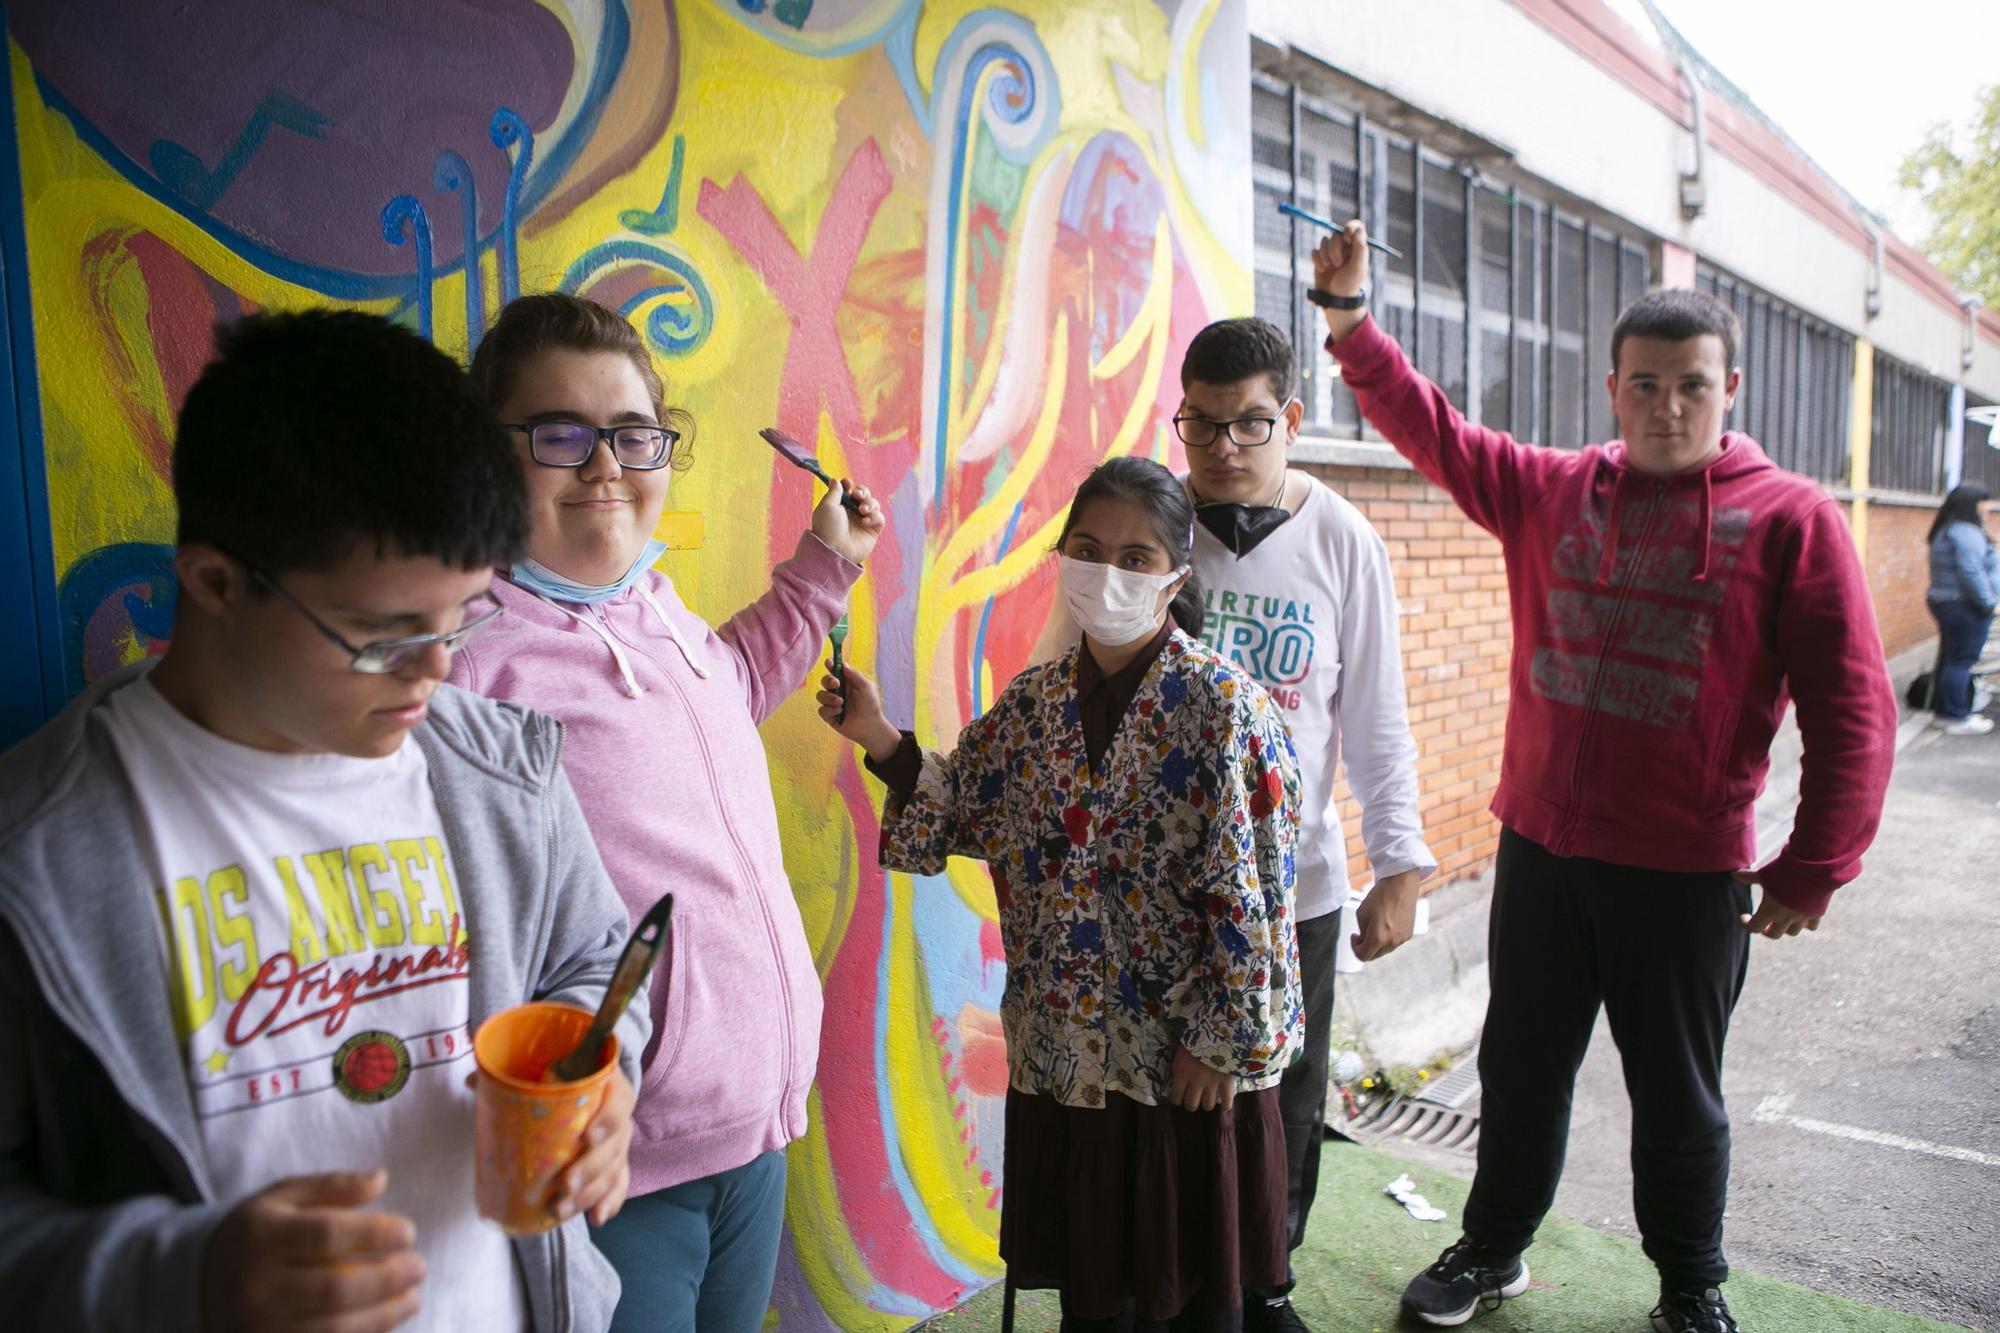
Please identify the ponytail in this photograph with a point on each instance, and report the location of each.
(1186, 608)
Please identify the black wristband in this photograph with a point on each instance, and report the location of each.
(1332, 302)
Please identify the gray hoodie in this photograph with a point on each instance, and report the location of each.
(105, 1206)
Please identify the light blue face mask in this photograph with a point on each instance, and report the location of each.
(537, 577)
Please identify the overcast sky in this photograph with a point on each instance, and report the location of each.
(1855, 84)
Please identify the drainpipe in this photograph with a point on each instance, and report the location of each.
(1694, 184)
(1954, 445)
(1873, 303)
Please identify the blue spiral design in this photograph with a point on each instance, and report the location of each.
(454, 173)
(507, 130)
(404, 222)
(683, 311)
(1010, 97)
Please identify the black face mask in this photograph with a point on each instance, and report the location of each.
(1241, 527)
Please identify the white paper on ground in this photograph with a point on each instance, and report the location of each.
(1404, 1191)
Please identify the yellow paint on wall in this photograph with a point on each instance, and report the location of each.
(834, 1266)
(940, 1168)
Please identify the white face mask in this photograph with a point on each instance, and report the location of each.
(1114, 606)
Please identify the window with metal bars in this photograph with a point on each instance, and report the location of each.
(1982, 458)
(1503, 300)
(1912, 421)
(1798, 372)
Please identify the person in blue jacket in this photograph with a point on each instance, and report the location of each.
(1965, 585)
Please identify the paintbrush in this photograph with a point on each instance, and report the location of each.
(1319, 221)
(837, 636)
(635, 964)
(798, 456)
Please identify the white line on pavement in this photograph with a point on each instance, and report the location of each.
(1774, 1111)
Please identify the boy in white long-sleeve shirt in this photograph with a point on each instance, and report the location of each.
(1300, 595)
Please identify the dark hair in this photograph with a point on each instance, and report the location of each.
(1142, 482)
(313, 431)
(531, 325)
(1961, 506)
(1676, 314)
(1235, 349)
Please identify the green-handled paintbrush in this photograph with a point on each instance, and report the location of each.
(837, 636)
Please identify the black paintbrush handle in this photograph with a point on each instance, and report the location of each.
(633, 965)
(846, 496)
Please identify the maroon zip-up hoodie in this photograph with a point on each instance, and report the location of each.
(1659, 627)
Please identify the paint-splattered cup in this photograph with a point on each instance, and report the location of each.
(525, 1131)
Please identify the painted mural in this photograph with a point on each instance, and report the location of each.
(957, 245)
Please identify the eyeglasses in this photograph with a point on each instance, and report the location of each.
(571, 443)
(385, 655)
(1244, 432)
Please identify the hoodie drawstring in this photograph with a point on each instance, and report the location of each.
(673, 633)
(1610, 558)
(632, 687)
(1704, 534)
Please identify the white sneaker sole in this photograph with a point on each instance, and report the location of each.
(1457, 1317)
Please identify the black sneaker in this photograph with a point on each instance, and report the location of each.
(1693, 1312)
(1272, 1317)
(1466, 1280)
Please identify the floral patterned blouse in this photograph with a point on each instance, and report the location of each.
(1142, 905)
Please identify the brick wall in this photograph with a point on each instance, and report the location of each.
(1899, 570)
(1456, 642)
(1453, 590)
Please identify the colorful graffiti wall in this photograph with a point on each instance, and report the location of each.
(957, 245)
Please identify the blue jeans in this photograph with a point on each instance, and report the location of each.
(701, 1255)
(1962, 629)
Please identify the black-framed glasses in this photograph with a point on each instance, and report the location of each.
(385, 655)
(1244, 432)
(571, 443)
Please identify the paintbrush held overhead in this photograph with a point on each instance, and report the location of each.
(799, 456)
(1318, 221)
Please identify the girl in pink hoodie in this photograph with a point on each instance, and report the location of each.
(660, 716)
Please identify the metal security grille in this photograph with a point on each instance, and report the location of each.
(1912, 420)
(1797, 379)
(1982, 460)
(1504, 302)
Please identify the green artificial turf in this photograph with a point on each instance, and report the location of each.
(1362, 1248)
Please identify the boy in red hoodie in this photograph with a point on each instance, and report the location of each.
(1669, 591)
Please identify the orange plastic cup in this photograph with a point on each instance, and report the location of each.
(525, 1131)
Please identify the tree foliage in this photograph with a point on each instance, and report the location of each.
(1958, 182)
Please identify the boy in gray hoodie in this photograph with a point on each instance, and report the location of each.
(255, 897)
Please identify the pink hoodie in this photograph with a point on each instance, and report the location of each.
(674, 783)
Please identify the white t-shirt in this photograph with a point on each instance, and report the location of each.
(1311, 613)
(318, 963)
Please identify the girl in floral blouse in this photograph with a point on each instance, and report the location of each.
(1136, 802)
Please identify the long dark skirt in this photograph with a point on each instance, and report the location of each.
(1150, 1209)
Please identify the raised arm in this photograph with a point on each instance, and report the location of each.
(1486, 472)
(772, 643)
